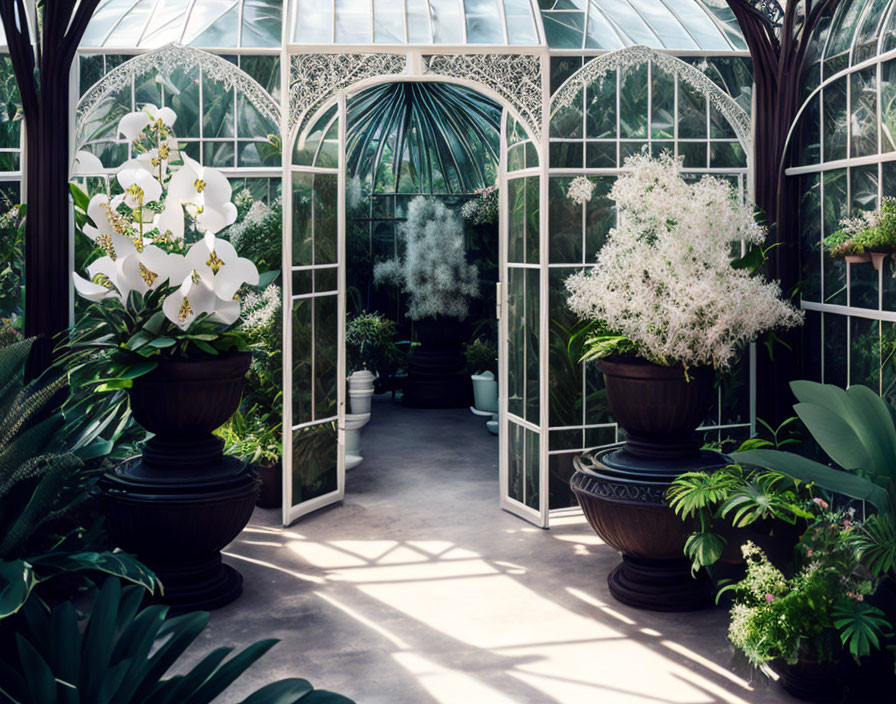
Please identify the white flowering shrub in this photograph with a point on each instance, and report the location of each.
(664, 284)
(434, 271)
(580, 190)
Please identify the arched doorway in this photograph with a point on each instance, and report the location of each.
(314, 322)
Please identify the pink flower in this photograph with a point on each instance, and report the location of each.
(769, 598)
(821, 503)
(809, 552)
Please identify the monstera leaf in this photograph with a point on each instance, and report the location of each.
(855, 428)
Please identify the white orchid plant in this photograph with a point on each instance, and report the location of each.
(165, 284)
(666, 288)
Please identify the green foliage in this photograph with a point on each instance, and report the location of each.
(861, 626)
(482, 356)
(877, 541)
(254, 437)
(370, 344)
(12, 272)
(775, 616)
(258, 231)
(483, 208)
(43, 479)
(856, 430)
(737, 496)
(262, 325)
(122, 654)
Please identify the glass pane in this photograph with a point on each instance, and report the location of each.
(835, 122)
(836, 207)
(302, 372)
(835, 350)
(865, 352)
(516, 346)
(565, 373)
(516, 453)
(691, 113)
(520, 23)
(888, 106)
(531, 327)
(302, 223)
(314, 462)
(388, 22)
(533, 456)
(516, 230)
(326, 222)
(326, 330)
(633, 102)
(810, 237)
(564, 224)
(484, 24)
(600, 121)
(663, 105)
(314, 22)
(262, 20)
(863, 124)
(447, 23)
(353, 21)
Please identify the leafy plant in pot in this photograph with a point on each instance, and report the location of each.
(856, 429)
(439, 283)
(482, 363)
(669, 309)
(870, 236)
(162, 325)
(371, 350)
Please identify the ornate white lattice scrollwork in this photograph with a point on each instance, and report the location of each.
(515, 77)
(315, 78)
(173, 57)
(637, 55)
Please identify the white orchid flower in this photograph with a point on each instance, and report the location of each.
(133, 124)
(150, 269)
(194, 297)
(170, 222)
(200, 186)
(140, 186)
(157, 159)
(104, 281)
(86, 164)
(216, 261)
(111, 229)
(212, 219)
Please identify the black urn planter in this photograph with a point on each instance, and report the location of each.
(622, 491)
(811, 681)
(436, 369)
(180, 502)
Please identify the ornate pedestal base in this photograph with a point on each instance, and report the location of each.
(177, 521)
(623, 498)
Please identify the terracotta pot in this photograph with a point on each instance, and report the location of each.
(857, 258)
(658, 407)
(878, 258)
(183, 500)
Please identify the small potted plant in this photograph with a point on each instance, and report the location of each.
(439, 282)
(669, 309)
(257, 438)
(805, 626)
(482, 364)
(868, 237)
(162, 325)
(371, 350)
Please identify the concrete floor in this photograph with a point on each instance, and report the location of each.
(419, 589)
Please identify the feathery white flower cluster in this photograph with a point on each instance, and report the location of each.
(260, 310)
(664, 278)
(580, 190)
(434, 270)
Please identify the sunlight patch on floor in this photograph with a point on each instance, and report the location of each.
(449, 686)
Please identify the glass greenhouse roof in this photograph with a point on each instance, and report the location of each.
(682, 25)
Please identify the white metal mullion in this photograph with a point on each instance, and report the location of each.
(404, 4)
(148, 22)
(118, 22)
(544, 293)
(286, 284)
(432, 27)
(681, 22)
(624, 39)
(370, 6)
(239, 29)
(503, 19)
(886, 16)
(587, 23)
(341, 293)
(463, 19)
(187, 15)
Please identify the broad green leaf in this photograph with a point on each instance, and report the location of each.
(807, 470)
(16, 582)
(836, 436)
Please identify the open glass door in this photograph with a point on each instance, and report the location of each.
(523, 483)
(314, 318)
